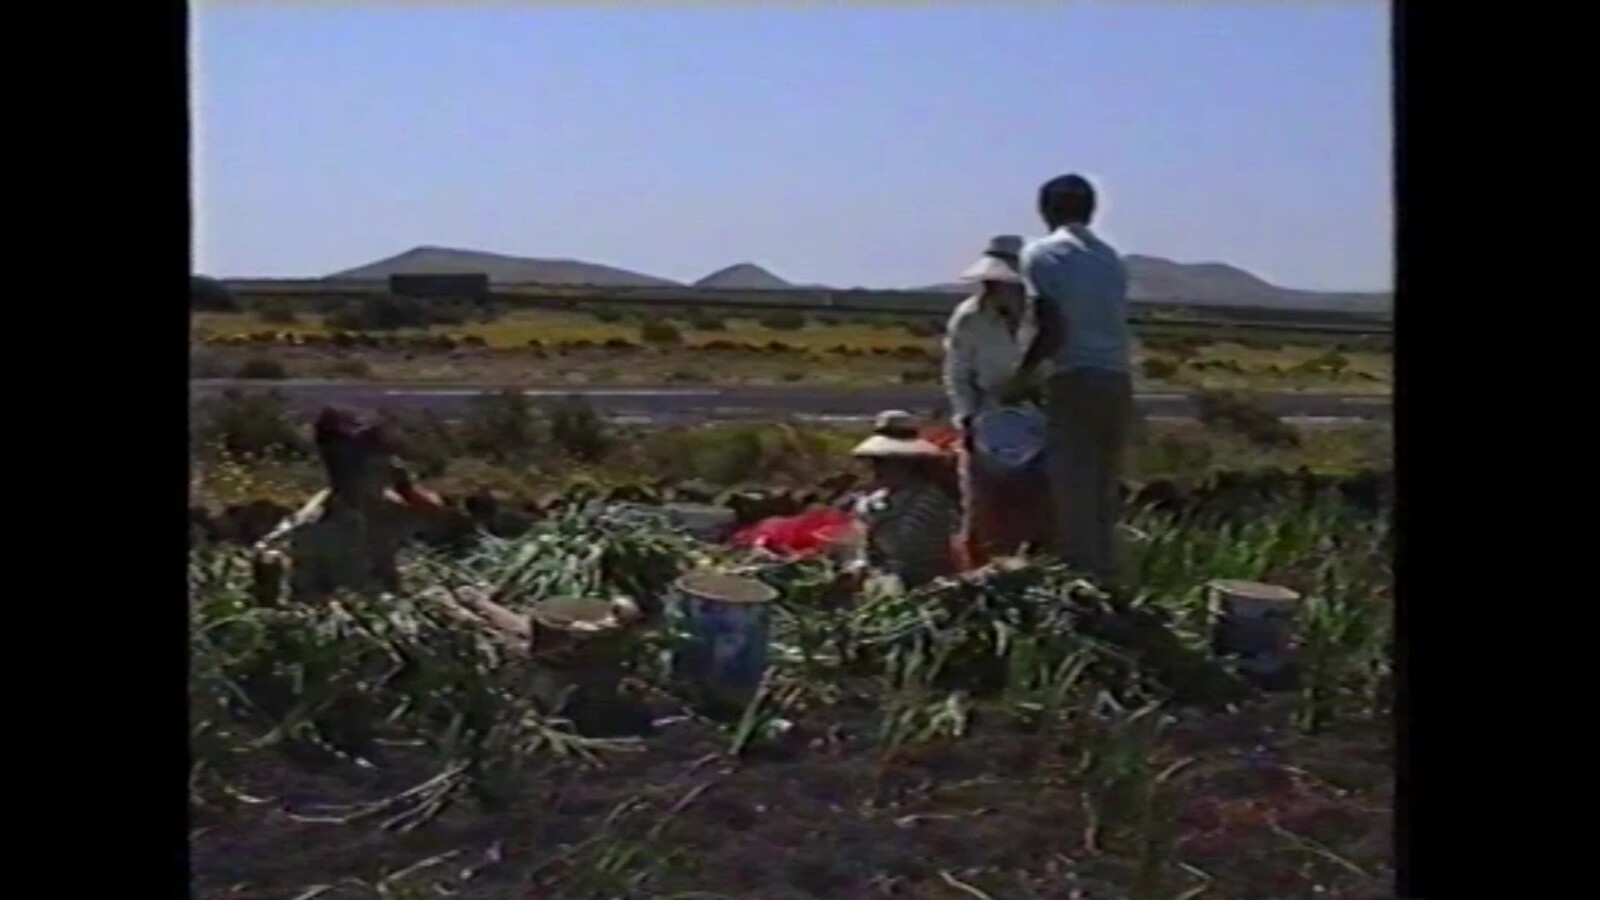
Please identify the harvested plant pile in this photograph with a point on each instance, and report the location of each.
(1011, 734)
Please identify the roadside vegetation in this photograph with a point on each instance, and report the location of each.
(245, 448)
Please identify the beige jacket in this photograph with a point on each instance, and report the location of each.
(981, 355)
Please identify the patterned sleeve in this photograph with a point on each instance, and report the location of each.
(916, 542)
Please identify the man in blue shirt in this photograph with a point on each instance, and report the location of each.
(1080, 288)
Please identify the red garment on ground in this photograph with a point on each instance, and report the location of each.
(811, 531)
(797, 535)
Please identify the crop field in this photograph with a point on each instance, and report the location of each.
(529, 347)
(1011, 734)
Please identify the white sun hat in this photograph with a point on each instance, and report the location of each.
(894, 434)
(999, 261)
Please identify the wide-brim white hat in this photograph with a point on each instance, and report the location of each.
(882, 446)
(895, 435)
(989, 268)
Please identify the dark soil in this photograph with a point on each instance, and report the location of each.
(1259, 813)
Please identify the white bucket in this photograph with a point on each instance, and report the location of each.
(1255, 624)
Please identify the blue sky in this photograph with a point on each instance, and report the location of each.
(871, 146)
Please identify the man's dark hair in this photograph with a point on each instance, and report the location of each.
(1066, 200)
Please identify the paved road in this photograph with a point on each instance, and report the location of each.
(667, 404)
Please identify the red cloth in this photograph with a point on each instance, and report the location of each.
(797, 535)
(811, 531)
(942, 436)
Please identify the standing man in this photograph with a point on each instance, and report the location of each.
(1080, 288)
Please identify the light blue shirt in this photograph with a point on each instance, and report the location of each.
(1088, 283)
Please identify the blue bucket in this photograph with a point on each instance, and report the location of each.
(1009, 438)
(727, 618)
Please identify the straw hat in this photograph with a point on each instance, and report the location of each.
(999, 261)
(894, 434)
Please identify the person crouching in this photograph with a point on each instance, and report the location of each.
(912, 516)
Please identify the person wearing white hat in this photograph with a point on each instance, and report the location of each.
(911, 518)
(988, 332)
(985, 340)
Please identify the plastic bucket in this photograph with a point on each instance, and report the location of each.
(1009, 438)
(728, 618)
(1255, 625)
(576, 643)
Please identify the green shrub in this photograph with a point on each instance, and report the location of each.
(276, 311)
(727, 455)
(261, 368)
(1331, 363)
(248, 424)
(1184, 347)
(607, 315)
(700, 320)
(500, 426)
(1174, 455)
(349, 368)
(445, 313)
(1260, 343)
(1159, 368)
(381, 312)
(1242, 415)
(660, 331)
(783, 320)
(327, 306)
(923, 328)
(576, 428)
(426, 442)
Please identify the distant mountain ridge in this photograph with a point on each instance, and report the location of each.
(1154, 279)
(501, 269)
(743, 276)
